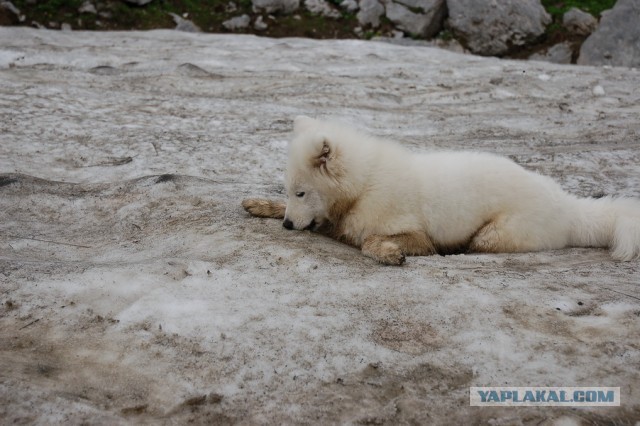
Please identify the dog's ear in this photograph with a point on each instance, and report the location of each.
(325, 151)
(323, 154)
(302, 123)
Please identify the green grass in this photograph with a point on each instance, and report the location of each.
(52, 9)
(117, 14)
(207, 14)
(557, 8)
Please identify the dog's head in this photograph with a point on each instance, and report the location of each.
(314, 173)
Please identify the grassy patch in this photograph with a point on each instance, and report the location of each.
(557, 8)
(207, 14)
(120, 15)
(556, 32)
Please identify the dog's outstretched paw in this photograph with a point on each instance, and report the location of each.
(260, 207)
(384, 251)
(390, 254)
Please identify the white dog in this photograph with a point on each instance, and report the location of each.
(389, 202)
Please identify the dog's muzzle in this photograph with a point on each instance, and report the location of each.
(289, 225)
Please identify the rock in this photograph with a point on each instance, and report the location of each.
(139, 2)
(579, 22)
(617, 40)
(321, 7)
(560, 53)
(183, 24)
(237, 23)
(259, 24)
(349, 5)
(10, 7)
(424, 24)
(88, 7)
(9, 14)
(491, 27)
(370, 13)
(272, 6)
(66, 27)
(598, 90)
(422, 6)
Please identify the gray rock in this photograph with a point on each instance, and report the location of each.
(492, 27)
(424, 24)
(560, 53)
(370, 13)
(88, 7)
(272, 6)
(423, 6)
(9, 14)
(598, 90)
(259, 24)
(617, 40)
(579, 22)
(10, 7)
(237, 23)
(321, 7)
(183, 24)
(349, 5)
(139, 2)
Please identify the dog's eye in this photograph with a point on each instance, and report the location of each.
(299, 194)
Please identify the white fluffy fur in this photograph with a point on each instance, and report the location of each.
(485, 200)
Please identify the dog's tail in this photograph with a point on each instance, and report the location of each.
(608, 222)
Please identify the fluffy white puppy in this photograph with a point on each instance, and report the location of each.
(390, 202)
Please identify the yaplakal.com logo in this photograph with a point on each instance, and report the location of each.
(545, 396)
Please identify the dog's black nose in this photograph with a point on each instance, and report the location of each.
(287, 224)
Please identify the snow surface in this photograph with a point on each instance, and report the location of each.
(134, 288)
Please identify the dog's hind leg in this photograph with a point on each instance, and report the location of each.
(515, 234)
(265, 208)
(489, 239)
(391, 249)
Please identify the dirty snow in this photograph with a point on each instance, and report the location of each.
(134, 289)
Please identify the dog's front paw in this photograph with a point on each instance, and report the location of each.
(384, 251)
(264, 208)
(390, 254)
